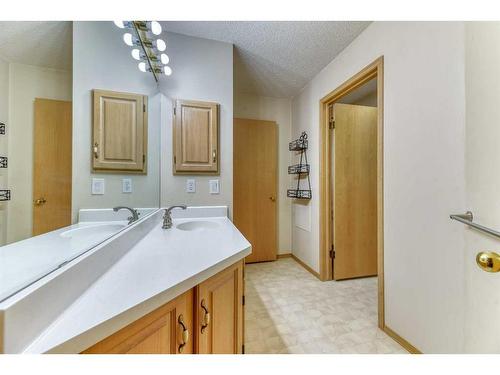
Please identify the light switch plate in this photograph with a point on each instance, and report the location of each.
(190, 185)
(127, 185)
(98, 186)
(213, 186)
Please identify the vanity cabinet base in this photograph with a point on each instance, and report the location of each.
(206, 319)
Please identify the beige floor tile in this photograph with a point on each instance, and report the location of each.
(288, 310)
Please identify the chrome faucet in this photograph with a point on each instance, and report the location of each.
(167, 219)
(131, 219)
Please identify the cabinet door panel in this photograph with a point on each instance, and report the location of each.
(195, 137)
(219, 312)
(120, 132)
(159, 332)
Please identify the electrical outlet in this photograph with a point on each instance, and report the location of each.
(98, 186)
(127, 185)
(213, 186)
(190, 185)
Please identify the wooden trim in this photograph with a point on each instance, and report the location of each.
(282, 256)
(305, 266)
(375, 69)
(401, 341)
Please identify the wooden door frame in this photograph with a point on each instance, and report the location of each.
(375, 69)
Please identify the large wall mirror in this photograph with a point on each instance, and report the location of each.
(80, 137)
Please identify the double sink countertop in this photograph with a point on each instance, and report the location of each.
(159, 267)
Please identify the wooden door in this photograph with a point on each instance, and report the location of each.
(254, 185)
(119, 132)
(219, 312)
(52, 165)
(355, 191)
(167, 330)
(196, 137)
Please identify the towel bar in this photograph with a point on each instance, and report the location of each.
(467, 220)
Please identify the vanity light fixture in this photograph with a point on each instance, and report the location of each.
(147, 47)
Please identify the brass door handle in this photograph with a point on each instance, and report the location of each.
(488, 261)
(214, 156)
(96, 150)
(40, 201)
(185, 334)
(206, 316)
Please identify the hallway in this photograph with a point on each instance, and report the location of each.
(288, 310)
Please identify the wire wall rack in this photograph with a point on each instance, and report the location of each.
(302, 169)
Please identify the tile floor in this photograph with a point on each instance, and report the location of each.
(288, 310)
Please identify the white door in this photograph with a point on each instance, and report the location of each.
(482, 289)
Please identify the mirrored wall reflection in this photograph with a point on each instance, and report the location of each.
(81, 138)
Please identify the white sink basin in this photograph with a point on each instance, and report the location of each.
(197, 225)
(92, 231)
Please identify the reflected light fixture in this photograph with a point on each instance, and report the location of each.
(147, 46)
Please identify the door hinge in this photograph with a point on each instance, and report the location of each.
(143, 158)
(243, 300)
(175, 159)
(242, 349)
(332, 253)
(175, 111)
(144, 108)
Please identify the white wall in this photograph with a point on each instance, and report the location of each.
(482, 78)
(423, 172)
(202, 70)
(4, 117)
(278, 110)
(102, 61)
(26, 83)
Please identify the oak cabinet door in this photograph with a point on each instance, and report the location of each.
(219, 312)
(119, 132)
(166, 330)
(196, 137)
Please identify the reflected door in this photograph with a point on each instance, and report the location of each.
(355, 191)
(52, 165)
(254, 188)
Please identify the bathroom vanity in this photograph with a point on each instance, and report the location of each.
(144, 290)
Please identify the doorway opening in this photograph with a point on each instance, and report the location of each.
(358, 188)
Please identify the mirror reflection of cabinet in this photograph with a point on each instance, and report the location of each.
(120, 132)
(196, 137)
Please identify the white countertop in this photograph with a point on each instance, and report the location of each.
(163, 265)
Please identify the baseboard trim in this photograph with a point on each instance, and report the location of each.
(316, 274)
(286, 255)
(401, 341)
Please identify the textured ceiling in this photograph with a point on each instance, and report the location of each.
(40, 43)
(275, 58)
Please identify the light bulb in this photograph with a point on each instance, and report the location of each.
(167, 70)
(155, 28)
(136, 54)
(119, 24)
(164, 58)
(142, 66)
(127, 38)
(161, 45)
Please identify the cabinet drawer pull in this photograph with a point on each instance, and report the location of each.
(206, 316)
(96, 150)
(185, 334)
(214, 156)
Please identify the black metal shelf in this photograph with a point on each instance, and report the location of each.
(299, 144)
(299, 194)
(300, 169)
(4, 195)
